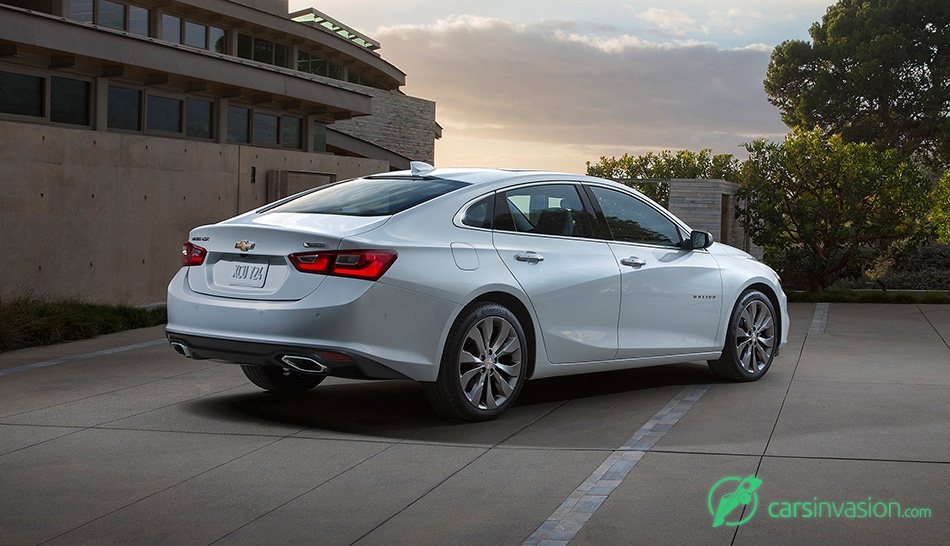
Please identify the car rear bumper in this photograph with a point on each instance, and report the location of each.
(330, 362)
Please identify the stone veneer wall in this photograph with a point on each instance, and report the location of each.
(399, 123)
(699, 203)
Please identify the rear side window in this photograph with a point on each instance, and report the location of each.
(369, 196)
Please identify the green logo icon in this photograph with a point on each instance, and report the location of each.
(742, 492)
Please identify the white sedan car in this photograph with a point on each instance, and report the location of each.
(470, 282)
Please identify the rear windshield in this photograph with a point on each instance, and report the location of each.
(369, 196)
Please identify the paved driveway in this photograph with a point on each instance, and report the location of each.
(121, 441)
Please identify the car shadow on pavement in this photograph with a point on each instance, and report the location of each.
(399, 410)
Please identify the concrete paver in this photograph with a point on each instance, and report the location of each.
(144, 447)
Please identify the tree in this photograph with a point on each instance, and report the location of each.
(877, 71)
(842, 203)
(665, 165)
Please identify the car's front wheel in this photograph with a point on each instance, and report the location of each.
(751, 340)
(275, 379)
(483, 365)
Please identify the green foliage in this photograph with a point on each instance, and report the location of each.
(27, 322)
(663, 166)
(841, 203)
(877, 71)
(939, 217)
(875, 296)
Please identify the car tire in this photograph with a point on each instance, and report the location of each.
(483, 365)
(276, 379)
(751, 340)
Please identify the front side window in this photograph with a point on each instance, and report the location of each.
(375, 196)
(554, 209)
(630, 219)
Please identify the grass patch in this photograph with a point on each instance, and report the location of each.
(29, 322)
(871, 296)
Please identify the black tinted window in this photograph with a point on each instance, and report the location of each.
(632, 220)
(480, 213)
(369, 196)
(554, 209)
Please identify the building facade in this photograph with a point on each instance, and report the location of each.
(123, 124)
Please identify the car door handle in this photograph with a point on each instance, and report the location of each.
(530, 256)
(633, 261)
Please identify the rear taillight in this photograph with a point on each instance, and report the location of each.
(361, 264)
(192, 254)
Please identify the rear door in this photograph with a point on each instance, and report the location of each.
(543, 234)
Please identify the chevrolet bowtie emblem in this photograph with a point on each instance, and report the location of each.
(244, 246)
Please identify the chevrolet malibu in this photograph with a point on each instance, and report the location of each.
(470, 282)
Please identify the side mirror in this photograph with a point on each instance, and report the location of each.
(699, 240)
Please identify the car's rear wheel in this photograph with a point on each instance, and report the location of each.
(483, 365)
(275, 379)
(750, 341)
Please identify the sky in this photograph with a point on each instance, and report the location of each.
(552, 84)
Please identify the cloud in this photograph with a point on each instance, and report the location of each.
(668, 22)
(564, 92)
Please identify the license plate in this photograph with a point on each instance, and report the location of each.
(247, 274)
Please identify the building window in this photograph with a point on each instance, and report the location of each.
(218, 40)
(80, 10)
(239, 123)
(163, 114)
(282, 55)
(335, 71)
(196, 35)
(266, 129)
(263, 51)
(311, 64)
(69, 101)
(171, 28)
(319, 137)
(291, 132)
(22, 94)
(112, 14)
(138, 20)
(245, 46)
(198, 118)
(125, 107)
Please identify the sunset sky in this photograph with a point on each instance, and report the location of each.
(552, 84)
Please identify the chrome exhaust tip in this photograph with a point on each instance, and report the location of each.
(304, 364)
(181, 349)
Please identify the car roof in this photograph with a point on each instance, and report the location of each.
(478, 176)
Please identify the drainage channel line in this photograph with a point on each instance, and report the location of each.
(820, 320)
(74, 358)
(564, 524)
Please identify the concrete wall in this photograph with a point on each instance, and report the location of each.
(101, 216)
